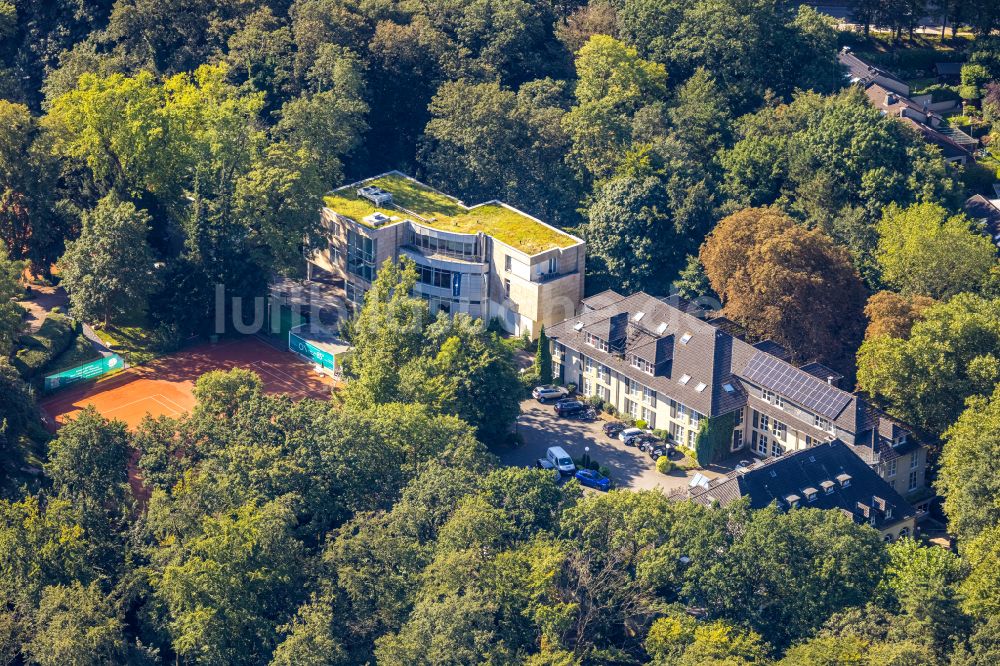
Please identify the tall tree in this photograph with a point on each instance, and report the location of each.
(786, 283)
(543, 358)
(108, 271)
(949, 356)
(924, 251)
(613, 85)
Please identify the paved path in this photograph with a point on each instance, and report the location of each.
(40, 304)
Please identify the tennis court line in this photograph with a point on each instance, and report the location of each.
(281, 382)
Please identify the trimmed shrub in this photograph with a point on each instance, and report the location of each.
(641, 423)
(664, 465)
(39, 349)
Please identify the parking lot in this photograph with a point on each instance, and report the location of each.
(540, 428)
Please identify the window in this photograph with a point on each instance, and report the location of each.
(605, 393)
(686, 338)
(434, 277)
(553, 264)
(762, 443)
(355, 294)
(603, 373)
(360, 255)
(913, 481)
(595, 341)
(632, 408)
(822, 423)
(737, 440)
(728, 388)
(649, 416)
(677, 432)
(506, 288)
(588, 387)
(739, 418)
(684, 379)
(779, 430)
(642, 364)
(768, 395)
(914, 459)
(648, 396)
(692, 436)
(588, 364)
(890, 470)
(776, 449)
(634, 388)
(508, 263)
(673, 408)
(434, 245)
(765, 422)
(779, 402)
(905, 532)
(700, 387)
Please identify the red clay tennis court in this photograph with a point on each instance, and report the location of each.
(164, 386)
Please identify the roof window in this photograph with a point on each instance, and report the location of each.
(728, 388)
(685, 338)
(638, 316)
(684, 379)
(700, 387)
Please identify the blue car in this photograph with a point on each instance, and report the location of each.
(591, 479)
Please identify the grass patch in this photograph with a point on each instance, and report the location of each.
(445, 213)
(137, 344)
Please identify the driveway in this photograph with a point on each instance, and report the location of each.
(630, 468)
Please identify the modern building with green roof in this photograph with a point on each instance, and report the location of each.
(489, 260)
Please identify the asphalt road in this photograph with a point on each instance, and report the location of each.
(630, 468)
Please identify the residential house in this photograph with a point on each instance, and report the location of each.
(828, 476)
(489, 260)
(667, 363)
(921, 113)
(986, 212)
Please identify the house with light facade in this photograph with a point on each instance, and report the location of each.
(489, 260)
(664, 361)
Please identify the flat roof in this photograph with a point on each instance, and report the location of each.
(426, 206)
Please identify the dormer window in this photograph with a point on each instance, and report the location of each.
(810, 493)
(642, 364)
(792, 501)
(828, 486)
(844, 480)
(900, 440)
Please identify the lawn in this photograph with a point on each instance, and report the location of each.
(138, 345)
(440, 211)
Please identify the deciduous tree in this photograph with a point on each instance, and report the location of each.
(786, 283)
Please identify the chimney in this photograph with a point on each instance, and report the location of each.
(829, 380)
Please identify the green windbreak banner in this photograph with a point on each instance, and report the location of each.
(101, 366)
(310, 351)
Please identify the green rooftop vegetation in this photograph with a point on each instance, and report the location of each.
(413, 199)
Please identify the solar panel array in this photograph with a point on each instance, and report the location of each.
(799, 387)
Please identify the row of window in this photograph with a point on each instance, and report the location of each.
(434, 277)
(778, 401)
(433, 244)
(643, 364)
(596, 342)
(361, 255)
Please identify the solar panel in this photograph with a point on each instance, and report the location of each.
(799, 387)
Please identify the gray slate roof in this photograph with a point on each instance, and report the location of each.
(867, 497)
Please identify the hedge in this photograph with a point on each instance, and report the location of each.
(39, 349)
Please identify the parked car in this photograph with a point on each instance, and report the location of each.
(560, 460)
(613, 429)
(543, 463)
(571, 408)
(625, 434)
(592, 479)
(657, 452)
(548, 393)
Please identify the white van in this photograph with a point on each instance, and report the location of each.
(560, 460)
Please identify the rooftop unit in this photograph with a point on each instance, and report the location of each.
(376, 195)
(377, 219)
